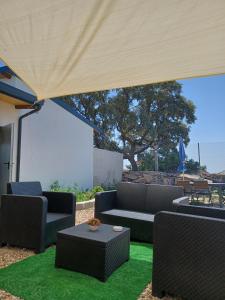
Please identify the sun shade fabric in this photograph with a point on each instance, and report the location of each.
(62, 47)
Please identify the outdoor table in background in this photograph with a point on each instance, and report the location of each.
(219, 186)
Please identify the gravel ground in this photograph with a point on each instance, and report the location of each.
(10, 255)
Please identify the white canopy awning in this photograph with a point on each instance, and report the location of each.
(61, 47)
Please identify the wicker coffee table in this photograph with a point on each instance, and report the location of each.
(97, 253)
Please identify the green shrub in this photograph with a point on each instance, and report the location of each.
(80, 194)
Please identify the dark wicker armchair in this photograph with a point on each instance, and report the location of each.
(31, 218)
(189, 256)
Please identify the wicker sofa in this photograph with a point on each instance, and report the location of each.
(30, 217)
(189, 252)
(134, 205)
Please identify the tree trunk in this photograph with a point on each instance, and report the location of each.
(133, 163)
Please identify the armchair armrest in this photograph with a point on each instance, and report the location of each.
(181, 201)
(60, 202)
(105, 201)
(184, 207)
(28, 207)
(23, 220)
(189, 252)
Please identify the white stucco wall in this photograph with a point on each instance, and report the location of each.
(57, 146)
(108, 167)
(9, 115)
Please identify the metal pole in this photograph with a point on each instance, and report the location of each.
(199, 157)
(156, 159)
(199, 160)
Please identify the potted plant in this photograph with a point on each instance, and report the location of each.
(94, 223)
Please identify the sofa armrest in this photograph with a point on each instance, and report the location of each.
(23, 216)
(105, 201)
(60, 202)
(189, 251)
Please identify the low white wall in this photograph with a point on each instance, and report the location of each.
(56, 146)
(108, 167)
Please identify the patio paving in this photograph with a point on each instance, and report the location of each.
(10, 255)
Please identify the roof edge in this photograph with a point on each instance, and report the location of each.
(17, 93)
(4, 69)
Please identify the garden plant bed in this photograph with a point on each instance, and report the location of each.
(85, 204)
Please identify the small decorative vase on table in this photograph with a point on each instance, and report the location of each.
(94, 224)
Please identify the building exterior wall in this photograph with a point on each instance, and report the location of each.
(9, 115)
(56, 146)
(108, 167)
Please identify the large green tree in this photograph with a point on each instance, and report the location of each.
(138, 118)
(96, 107)
(168, 162)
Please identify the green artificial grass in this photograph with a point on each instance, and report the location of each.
(36, 278)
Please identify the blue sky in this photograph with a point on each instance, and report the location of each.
(208, 94)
